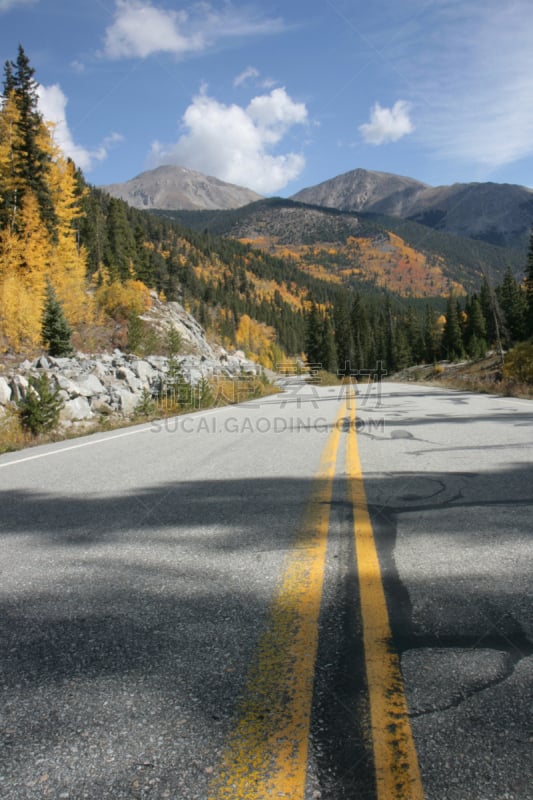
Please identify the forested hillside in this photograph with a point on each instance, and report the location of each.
(409, 259)
(66, 245)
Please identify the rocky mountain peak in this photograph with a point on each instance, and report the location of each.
(174, 187)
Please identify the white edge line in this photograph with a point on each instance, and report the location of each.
(101, 441)
(73, 447)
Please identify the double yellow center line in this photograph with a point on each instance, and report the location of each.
(266, 754)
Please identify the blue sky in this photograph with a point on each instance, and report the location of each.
(277, 96)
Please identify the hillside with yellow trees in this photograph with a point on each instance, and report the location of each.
(40, 206)
(404, 257)
(275, 278)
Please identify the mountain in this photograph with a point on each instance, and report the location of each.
(172, 187)
(345, 248)
(500, 214)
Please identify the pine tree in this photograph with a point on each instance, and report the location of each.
(313, 334)
(513, 303)
(452, 339)
(476, 329)
(343, 335)
(39, 410)
(529, 287)
(31, 160)
(486, 301)
(120, 252)
(429, 335)
(328, 355)
(56, 331)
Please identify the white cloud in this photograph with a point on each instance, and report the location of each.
(470, 69)
(233, 143)
(387, 124)
(52, 105)
(140, 29)
(250, 73)
(6, 5)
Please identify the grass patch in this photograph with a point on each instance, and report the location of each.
(484, 376)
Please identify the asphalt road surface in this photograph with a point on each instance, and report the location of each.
(310, 596)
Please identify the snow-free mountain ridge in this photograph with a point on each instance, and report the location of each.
(498, 213)
(172, 187)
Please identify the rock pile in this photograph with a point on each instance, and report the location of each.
(114, 384)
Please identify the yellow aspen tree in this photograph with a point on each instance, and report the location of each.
(24, 256)
(9, 141)
(68, 260)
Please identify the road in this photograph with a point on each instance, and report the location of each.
(314, 595)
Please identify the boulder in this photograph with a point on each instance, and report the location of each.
(76, 410)
(41, 363)
(5, 392)
(102, 405)
(127, 401)
(143, 370)
(81, 386)
(89, 385)
(19, 386)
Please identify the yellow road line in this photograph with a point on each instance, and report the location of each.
(266, 755)
(395, 758)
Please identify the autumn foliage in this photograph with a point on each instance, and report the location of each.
(39, 208)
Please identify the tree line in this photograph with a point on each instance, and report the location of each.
(69, 249)
(358, 331)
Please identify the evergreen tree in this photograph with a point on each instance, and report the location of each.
(328, 356)
(452, 339)
(343, 335)
(120, 252)
(31, 158)
(529, 287)
(56, 331)
(313, 334)
(360, 332)
(487, 303)
(513, 303)
(429, 337)
(39, 410)
(476, 329)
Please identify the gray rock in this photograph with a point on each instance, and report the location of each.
(89, 385)
(19, 386)
(158, 363)
(5, 392)
(66, 385)
(41, 363)
(193, 376)
(102, 405)
(125, 374)
(127, 401)
(81, 386)
(100, 370)
(143, 370)
(76, 410)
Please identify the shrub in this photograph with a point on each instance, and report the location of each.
(120, 300)
(146, 407)
(518, 365)
(39, 410)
